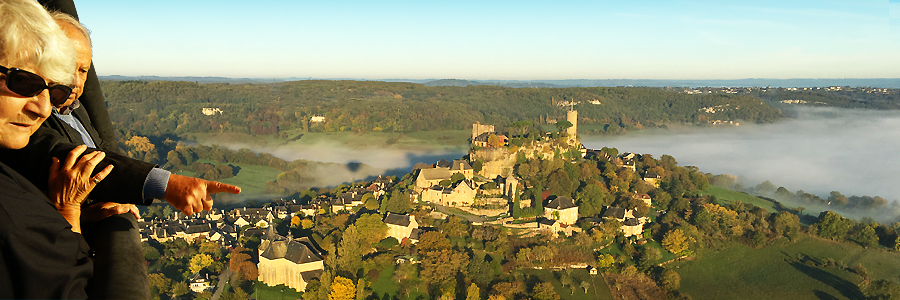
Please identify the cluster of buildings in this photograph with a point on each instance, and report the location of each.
(282, 260)
(295, 261)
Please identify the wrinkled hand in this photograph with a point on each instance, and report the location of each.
(192, 195)
(103, 210)
(70, 182)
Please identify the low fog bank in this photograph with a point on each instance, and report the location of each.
(818, 151)
(353, 163)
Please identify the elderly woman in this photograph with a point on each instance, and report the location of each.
(42, 254)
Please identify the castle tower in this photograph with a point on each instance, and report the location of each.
(478, 129)
(572, 117)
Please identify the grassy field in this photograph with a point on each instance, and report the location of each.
(251, 178)
(597, 290)
(278, 292)
(728, 196)
(411, 140)
(740, 272)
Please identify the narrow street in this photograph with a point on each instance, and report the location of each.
(223, 278)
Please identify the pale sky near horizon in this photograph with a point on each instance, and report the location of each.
(524, 40)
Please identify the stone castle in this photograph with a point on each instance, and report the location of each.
(499, 161)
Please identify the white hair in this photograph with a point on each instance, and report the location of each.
(61, 17)
(29, 38)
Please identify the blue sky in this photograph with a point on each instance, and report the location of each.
(497, 39)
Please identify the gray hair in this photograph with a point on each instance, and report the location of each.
(61, 17)
(29, 38)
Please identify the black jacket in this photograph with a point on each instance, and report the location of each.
(40, 256)
(124, 185)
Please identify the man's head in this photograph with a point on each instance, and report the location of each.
(31, 42)
(81, 40)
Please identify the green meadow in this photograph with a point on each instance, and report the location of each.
(597, 290)
(251, 178)
(774, 272)
(420, 140)
(728, 196)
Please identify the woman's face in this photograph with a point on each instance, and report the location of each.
(20, 116)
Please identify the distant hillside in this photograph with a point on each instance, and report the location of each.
(891, 83)
(166, 107)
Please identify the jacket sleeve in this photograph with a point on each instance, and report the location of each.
(124, 185)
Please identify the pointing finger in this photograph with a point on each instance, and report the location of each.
(218, 187)
(208, 202)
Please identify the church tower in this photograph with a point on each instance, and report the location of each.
(572, 117)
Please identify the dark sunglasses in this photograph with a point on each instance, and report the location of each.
(28, 84)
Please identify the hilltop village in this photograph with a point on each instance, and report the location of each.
(469, 228)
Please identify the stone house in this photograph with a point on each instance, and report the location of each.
(646, 198)
(462, 167)
(652, 179)
(462, 194)
(199, 282)
(431, 177)
(562, 209)
(348, 200)
(631, 225)
(400, 227)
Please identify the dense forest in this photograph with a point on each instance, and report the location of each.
(166, 107)
(845, 98)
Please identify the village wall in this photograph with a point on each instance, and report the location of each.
(486, 212)
(497, 162)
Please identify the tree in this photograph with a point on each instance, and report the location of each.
(542, 253)
(179, 288)
(883, 289)
(442, 265)
(159, 282)
(585, 285)
(605, 261)
(307, 224)
(649, 256)
(561, 126)
(473, 292)
(200, 262)
(150, 253)
(867, 237)
(295, 221)
(175, 159)
(833, 226)
(669, 279)
(566, 281)
(786, 224)
(477, 165)
(342, 289)
(375, 230)
(545, 291)
(371, 203)
(676, 242)
(397, 203)
(766, 188)
(494, 141)
(361, 289)
(349, 253)
(508, 290)
(480, 270)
